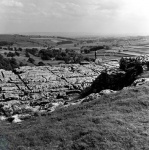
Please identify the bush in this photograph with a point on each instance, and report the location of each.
(20, 49)
(4, 43)
(5, 53)
(86, 51)
(10, 54)
(32, 51)
(31, 60)
(126, 63)
(87, 59)
(8, 64)
(17, 54)
(64, 42)
(27, 55)
(41, 63)
(21, 64)
(95, 48)
(147, 64)
(69, 56)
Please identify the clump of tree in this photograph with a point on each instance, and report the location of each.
(31, 60)
(107, 47)
(19, 49)
(8, 63)
(46, 54)
(86, 51)
(41, 63)
(33, 51)
(89, 59)
(64, 42)
(95, 48)
(10, 48)
(147, 64)
(5, 43)
(17, 54)
(126, 63)
(10, 54)
(69, 56)
(27, 54)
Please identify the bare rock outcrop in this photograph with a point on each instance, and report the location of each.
(113, 80)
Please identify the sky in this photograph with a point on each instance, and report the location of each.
(103, 17)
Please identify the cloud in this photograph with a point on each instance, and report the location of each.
(106, 16)
(11, 3)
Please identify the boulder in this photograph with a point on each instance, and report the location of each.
(61, 95)
(140, 81)
(7, 110)
(16, 119)
(24, 116)
(108, 91)
(3, 118)
(90, 97)
(55, 105)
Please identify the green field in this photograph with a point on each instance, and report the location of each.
(119, 47)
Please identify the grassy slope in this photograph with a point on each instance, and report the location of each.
(114, 122)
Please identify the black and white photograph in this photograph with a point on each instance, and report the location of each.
(74, 74)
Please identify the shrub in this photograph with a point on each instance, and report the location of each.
(10, 54)
(41, 63)
(8, 64)
(31, 60)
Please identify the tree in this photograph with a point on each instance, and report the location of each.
(5, 43)
(20, 49)
(31, 60)
(21, 64)
(17, 54)
(86, 51)
(27, 55)
(13, 63)
(41, 63)
(32, 51)
(5, 53)
(10, 54)
(107, 47)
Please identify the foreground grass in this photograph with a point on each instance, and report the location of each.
(114, 122)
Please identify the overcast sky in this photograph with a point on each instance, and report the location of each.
(91, 16)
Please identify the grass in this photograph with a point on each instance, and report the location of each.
(114, 122)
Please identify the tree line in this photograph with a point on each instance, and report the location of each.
(8, 63)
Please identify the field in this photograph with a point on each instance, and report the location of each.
(118, 47)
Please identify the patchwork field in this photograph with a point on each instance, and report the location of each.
(118, 47)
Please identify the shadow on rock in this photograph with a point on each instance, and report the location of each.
(113, 79)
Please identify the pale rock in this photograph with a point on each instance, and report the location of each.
(107, 91)
(16, 119)
(3, 118)
(140, 81)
